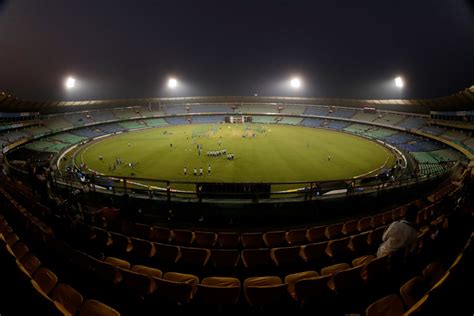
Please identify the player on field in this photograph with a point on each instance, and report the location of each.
(195, 172)
(209, 170)
(200, 171)
(185, 171)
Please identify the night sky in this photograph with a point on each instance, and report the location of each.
(128, 49)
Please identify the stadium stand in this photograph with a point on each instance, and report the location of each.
(68, 256)
(210, 108)
(412, 122)
(316, 110)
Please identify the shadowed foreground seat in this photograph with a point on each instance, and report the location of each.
(205, 239)
(390, 305)
(177, 288)
(68, 297)
(96, 308)
(412, 291)
(296, 237)
(218, 291)
(230, 240)
(46, 279)
(116, 262)
(31, 263)
(291, 279)
(265, 290)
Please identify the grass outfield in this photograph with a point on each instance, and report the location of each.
(263, 153)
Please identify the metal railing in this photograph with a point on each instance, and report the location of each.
(199, 191)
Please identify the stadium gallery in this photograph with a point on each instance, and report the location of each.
(289, 146)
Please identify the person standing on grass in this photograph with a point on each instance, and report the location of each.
(209, 170)
(200, 171)
(185, 171)
(195, 172)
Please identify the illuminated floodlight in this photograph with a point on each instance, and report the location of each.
(295, 83)
(399, 82)
(172, 83)
(70, 83)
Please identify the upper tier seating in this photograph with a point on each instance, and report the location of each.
(216, 108)
(316, 110)
(390, 119)
(342, 112)
(412, 122)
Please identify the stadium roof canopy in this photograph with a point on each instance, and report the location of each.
(463, 100)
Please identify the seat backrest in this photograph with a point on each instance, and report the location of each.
(139, 283)
(252, 240)
(315, 287)
(377, 220)
(218, 291)
(120, 243)
(433, 272)
(350, 227)
(334, 231)
(117, 262)
(364, 224)
(31, 263)
(315, 234)
(286, 255)
(334, 268)
(348, 280)
(228, 240)
(339, 248)
(173, 291)
(274, 239)
(96, 308)
(264, 290)
(216, 295)
(46, 279)
(152, 272)
(183, 237)
(254, 258)
(225, 258)
(68, 297)
(167, 254)
(296, 236)
(160, 234)
(413, 290)
(205, 239)
(314, 252)
(390, 305)
(142, 249)
(194, 256)
(141, 230)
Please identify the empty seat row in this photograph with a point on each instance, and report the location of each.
(271, 239)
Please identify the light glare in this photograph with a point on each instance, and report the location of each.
(399, 82)
(295, 83)
(172, 83)
(70, 82)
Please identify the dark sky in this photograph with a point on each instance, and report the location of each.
(122, 49)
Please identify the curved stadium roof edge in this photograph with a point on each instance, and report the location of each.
(463, 100)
